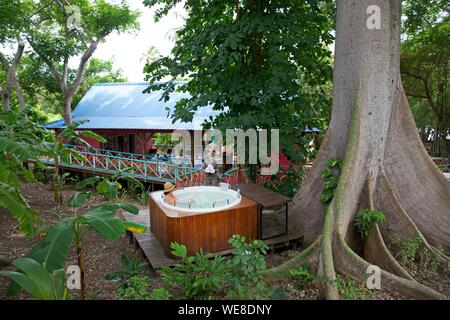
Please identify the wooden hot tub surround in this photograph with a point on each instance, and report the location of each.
(203, 231)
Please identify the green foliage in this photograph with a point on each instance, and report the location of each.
(131, 285)
(109, 189)
(366, 219)
(37, 281)
(424, 69)
(302, 276)
(20, 140)
(279, 293)
(348, 289)
(244, 279)
(286, 182)
(203, 277)
(420, 15)
(251, 57)
(160, 294)
(163, 139)
(132, 267)
(199, 276)
(330, 175)
(52, 251)
(136, 289)
(416, 257)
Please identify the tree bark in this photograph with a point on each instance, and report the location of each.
(11, 80)
(372, 129)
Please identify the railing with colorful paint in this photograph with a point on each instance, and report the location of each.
(191, 179)
(234, 176)
(148, 170)
(444, 167)
(136, 156)
(442, 164)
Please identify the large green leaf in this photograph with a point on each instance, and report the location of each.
(92, 135)
(135, 227)
(78, 199)
(104, 222)
(19, 150)
(53, 249)
(37, 281)
(120, 205)
(87, 182)
(12, 201)
(108, 188)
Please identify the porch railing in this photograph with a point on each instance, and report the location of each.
(146, 167)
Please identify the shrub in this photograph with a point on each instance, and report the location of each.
(136, 288)
(286, 182)
(366, 219)
(160, 294)
(199, 276)
(348, 290)
(203, 277)
(279, 293)
(302, 275)
(245, 279)
(415, 256)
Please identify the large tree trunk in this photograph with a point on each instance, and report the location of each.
(372, 129)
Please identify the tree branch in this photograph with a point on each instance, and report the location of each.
(47, 61)
(82, 66)
(11, 80)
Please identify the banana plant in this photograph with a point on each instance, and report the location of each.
(55, 149)
(110, 186)
(37, 281)
(18, 143)
(52, 251)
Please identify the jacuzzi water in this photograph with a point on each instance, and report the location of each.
(202, 199)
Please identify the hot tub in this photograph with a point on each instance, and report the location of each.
(202, 199)
(203, 218)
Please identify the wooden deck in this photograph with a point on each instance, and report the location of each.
(157, 258)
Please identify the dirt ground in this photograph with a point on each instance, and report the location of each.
(103, 256)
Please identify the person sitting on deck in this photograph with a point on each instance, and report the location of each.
(168, 193)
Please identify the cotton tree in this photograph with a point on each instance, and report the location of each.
(385, 166)
(61, 33)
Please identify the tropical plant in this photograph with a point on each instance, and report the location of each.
(136, 289)
(37, 281)
(244, 279)
(130, 283)
(52, 251)
(19, 143)
(198, 277)
(53, 148)
(366, 219)
(110, 187)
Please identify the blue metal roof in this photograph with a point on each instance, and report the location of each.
(125, 106)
